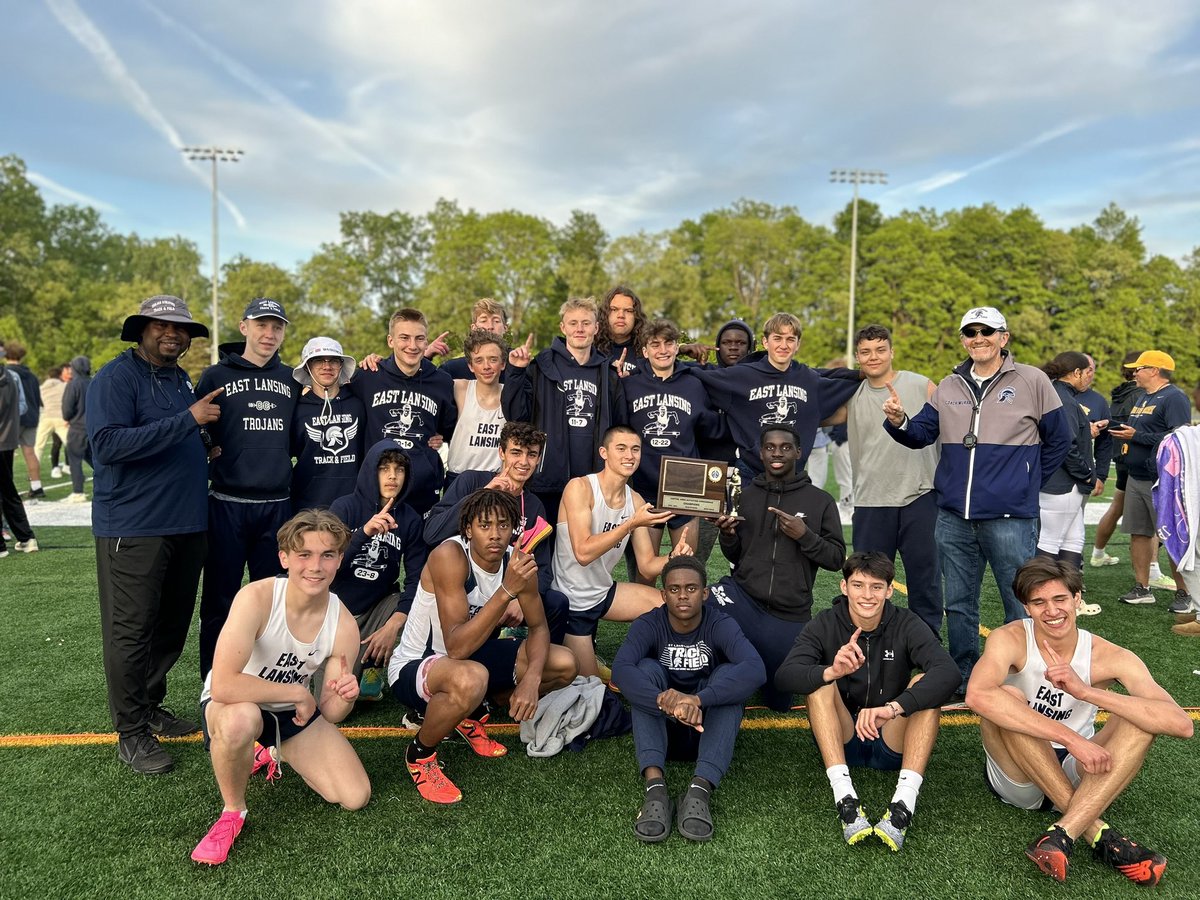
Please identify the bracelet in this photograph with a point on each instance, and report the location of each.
(504, 587)
(896, 708)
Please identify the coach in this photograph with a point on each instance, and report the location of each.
(150, 520)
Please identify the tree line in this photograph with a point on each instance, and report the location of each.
(67, 280)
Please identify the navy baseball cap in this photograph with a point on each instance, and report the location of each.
(264, 307)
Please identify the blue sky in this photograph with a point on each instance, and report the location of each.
(642, 113)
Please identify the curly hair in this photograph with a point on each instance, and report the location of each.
(604, 339)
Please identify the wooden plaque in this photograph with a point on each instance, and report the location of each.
(692, 487)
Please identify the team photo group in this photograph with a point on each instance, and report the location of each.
(442, 534)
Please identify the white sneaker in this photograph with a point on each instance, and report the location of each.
(56, 472)
(76, 498)
(29, 546)
(1103, 560)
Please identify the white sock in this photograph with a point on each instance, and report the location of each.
(907, 788)
(35, 485)
(1098, 552)
(840, 781)
(1155, 571)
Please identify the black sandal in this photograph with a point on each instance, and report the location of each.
(694, 818)
(653, 812)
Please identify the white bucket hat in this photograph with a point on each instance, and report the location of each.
(318, 347)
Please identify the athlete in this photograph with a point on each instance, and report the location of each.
(278, 633)
(451, 657)
(601, 514)
(1037, 688)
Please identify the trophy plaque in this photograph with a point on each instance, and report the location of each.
(693, 487)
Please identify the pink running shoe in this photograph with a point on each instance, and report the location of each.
(215, 847)
(265, 756)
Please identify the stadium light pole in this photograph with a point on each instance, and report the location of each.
(215, 155)
(855, 177)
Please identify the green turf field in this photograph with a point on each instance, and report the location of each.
(79, 824)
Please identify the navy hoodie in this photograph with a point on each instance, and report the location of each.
(151, 468)
(328, 446)
(371, 565)
(574, 404)
(671, 414)
(253, 432)
(442, 521)
(409, 410)
(754, 393)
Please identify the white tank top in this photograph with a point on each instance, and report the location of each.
(1045, 698)
(422, 634)
(279, 656)
(585, 586)
(476, 436)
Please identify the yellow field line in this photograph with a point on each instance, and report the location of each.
(952, 717)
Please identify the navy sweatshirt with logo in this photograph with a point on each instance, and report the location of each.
(716, 655)
(671, 414)
(754, 393)
(574, 404)
(254, 431)
(327, 441)
(408, 410)
(371, 565)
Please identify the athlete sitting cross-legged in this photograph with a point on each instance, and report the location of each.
(451, 657)
(1037, 688)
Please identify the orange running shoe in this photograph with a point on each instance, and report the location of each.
(1139, 864)
(475, 734)
(1051, 852)
(431, 781)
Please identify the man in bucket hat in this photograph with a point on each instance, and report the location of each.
(150, 520)
(327, 429)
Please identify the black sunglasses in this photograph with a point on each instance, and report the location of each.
(975, 332)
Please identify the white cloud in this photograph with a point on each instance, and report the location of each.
(65, 193)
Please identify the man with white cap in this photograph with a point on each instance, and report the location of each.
(1159, 409)
(150, 520)
(327, 429)
(1002, 432)
(250, 497)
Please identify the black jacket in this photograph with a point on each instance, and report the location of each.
(900, 644)
(775, 570)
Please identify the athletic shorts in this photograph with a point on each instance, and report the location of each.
(277, 727)
(498, 656)
(1026, 796)
(583, 623)
(1138, 517)
(28, 436)
(875, 754)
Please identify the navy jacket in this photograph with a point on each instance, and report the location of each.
(74, 405)
(901, 643)
(1153, 417)
(717, 654)
(1096, 407)
(442, 521)
(754, 393)
(1078, 467)
(151, 468)
(574, 404)
(33, 395)
(670, 414)
(371, 566)
(254, 431)
(328, 445)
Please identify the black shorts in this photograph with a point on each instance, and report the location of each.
(497, 655)
(277, 727)
(583, 623)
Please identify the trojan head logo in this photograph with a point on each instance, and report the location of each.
(1007, 395)
(332, 439)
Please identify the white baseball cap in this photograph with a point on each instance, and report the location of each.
(318, 347)
(984, 315)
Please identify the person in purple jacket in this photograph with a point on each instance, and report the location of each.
(687, 671)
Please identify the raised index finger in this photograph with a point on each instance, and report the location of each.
(442, 336)
(892, 390)
(1053, 656)
(529, 341)
(388, 505)
(854, 637)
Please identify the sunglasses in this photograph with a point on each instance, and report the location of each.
(975, 332)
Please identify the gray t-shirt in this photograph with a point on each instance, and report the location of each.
(887, 473)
